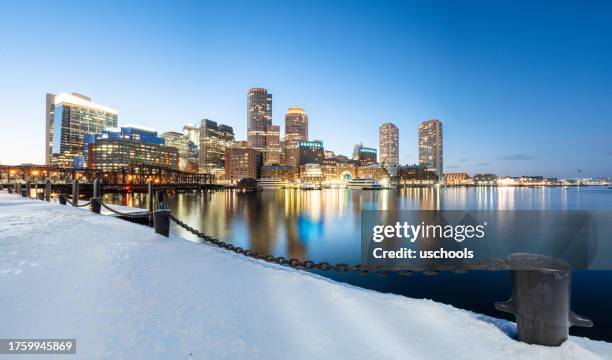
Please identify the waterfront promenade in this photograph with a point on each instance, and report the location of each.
(125, 293)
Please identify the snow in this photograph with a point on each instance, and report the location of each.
(125, 293)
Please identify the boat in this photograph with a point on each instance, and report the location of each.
(364, 184)
(310, 186)
(271, 184)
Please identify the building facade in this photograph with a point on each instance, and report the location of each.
(296, 130)
(214, 139)
(259, 116)
(416, 175)
(182, 144)
(430, 146)
(457, 178)
(278, 172)
(272, 152)
(388, 144)
(366, 156)
(68, 117)
(242, 162)
(310, 152)
(115, 148)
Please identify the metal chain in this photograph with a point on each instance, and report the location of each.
(134, 215)
(491, 264)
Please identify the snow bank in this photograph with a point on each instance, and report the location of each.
(125, 293)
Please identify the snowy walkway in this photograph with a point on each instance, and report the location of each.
(125, 293)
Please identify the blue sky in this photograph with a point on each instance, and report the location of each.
(522, 88)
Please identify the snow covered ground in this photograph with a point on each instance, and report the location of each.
(125, 293)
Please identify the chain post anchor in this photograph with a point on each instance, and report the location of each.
(161, 222)
(541, 299)
(95, 205)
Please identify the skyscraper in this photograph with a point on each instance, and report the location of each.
(214, 139)
(259, 116)
(181, 143)
(430, 146)
(296, 130)
(388, 143)
(272, 151)
(68, 118)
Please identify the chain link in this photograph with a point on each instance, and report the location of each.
(134, 215)
(491, 264)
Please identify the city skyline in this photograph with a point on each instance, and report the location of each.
(505, 110)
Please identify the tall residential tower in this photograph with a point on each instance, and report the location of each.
(388, 144)
(430, 146)
(296, 130)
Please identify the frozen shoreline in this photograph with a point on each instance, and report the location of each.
(125, 293)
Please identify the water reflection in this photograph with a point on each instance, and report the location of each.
(325, 225)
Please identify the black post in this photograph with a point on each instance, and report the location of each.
(95, 205)
(48, 190)
(97, 188)
(24, 190)
(161, 222)
(75, 192)
(62, 199)
(28, 188)
(160, 200)
(541, 299)
(40, 196)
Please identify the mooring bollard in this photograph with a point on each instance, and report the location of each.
(48, 190)
(541, 299)
(161, 222)
(28, 186)
(97, 188)
(24, 191)
(95, 205)
(10, 190)
(75, 192)
(40, 196)
(62, 199)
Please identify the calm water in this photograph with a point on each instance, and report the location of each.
(325, 225)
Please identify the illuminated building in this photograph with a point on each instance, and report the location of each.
(430, 146)
(278, 172)
(328, 154)
(335, 171)
(373, 171)
(356, 150)
(416, 175)
(272, 152)
(259, 116)
(193, 133)
(485, 179)
(214, 139)
(458, 178)
(68, 117)
(311, 173)
(296, 130)
(366, 155)
(115, 148)
(242, 162)
(388, 143)
(181, 143)
(310, 152)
